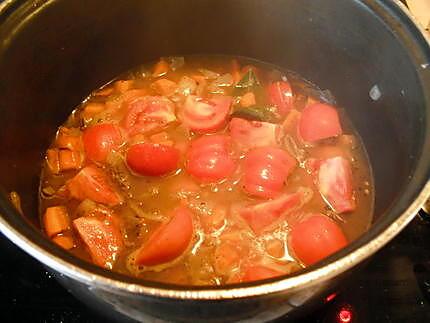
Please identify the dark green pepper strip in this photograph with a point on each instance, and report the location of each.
(257, 113)
(249, 80)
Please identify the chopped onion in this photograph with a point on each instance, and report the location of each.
(348, 140)
(208, 74)
(285, 267)
(16, 201)
(136, 207)
(201, 88)
(85, 207)
(224, 80)
(175, 62)
(290, 144)
(48, 192)
(186, 86)
(217, 85)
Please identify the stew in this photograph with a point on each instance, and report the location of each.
(206, 171)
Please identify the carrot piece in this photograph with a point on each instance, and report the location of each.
(247, 100)
(123, 85)
(69, 159)
(65, 242)
(56, 220)
(165, 87)
(161, 68)
(59, 160)
(69, 138)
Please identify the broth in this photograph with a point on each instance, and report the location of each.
(206, 171)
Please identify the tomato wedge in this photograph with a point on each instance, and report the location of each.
(319, 121)
(315, 238)
(92, 183)
(148, 113)
(262, 215)
(169, 241)
(100, 139)
(335, 184)
(209, 158)
(281, 95)
(202, 115)
(252, 134)
(266, 170)
(102, 237)
(152, 159)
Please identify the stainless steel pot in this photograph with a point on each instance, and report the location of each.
(53, 53)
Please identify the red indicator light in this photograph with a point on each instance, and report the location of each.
(344, 315)
(330, 297)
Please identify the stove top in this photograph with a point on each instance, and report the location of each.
(393, 287)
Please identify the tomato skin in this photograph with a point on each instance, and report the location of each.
(334, 182)
(315, 238)
(100, 139)
(203, 115)
(319, 121)
(92, 183)
(262, 215)
(252, 134)
(265, 171)
(169, 240)
(281, 95)
(151, 159)
(102, 237)
(148, 113)
(208, 158)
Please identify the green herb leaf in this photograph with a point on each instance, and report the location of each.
(248, 80)
(257, 113)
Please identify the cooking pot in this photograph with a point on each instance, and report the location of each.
(369, 53)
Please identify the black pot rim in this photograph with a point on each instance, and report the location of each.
(15, 228)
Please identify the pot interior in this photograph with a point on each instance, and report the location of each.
(55, 52)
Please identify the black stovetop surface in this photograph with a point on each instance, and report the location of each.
(391, 288)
